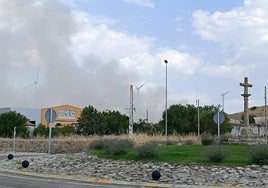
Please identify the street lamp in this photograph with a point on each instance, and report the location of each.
(223, 94)
(166, 62)
(265, 110)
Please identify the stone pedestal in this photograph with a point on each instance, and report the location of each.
(244, 131)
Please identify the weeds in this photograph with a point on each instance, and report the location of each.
(207, 139)
(78, 143)
(147, 150)
(259, 155)
(117, 146)
(216, 153)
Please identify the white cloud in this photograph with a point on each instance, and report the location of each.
(133, 55)
(96, 38)
(227, 71)
(146, 3)
(182, 63)
(243, 28)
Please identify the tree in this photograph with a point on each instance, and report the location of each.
(41, 130)
(141, 126)
(92, 121)
(181, 119)
(11, 119)
(113, 122)
(89, 122)
(207, 124)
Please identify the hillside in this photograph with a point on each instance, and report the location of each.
(258, 111)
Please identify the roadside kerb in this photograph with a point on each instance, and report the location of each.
(88, 180)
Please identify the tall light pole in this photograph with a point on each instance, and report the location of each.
(223, 94)
(166, 62)
(130, 128)
(198, 118)
(265, 109)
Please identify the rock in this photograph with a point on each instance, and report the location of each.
(84, 166)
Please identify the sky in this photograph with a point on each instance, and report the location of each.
(89, 52)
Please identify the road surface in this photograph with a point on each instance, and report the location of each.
(18, 181)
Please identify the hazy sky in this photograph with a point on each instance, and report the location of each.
(88, 52)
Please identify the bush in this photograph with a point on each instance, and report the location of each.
(259, 155)
(147, 150)
(97, 144)
(67, 130)
(207, 139)
(41, 130)
(117, 146)
(22, 132)
(224, 139)
(216, 153)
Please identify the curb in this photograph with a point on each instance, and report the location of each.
(91, 180)
(95, 180)
(100, 181)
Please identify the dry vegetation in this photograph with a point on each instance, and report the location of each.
(75, 143)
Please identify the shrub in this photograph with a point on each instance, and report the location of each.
(207, 139)
(224, 139)
(216, 153)
(97, 144)
(41, 130)
(259, 155)
(147, 150)
(22, 131)
(67, 130)
(117, 146)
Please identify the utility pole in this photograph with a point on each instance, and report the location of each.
(265, 109)
(198, 118)
(147, 116)
(166, 62)
(130, 128)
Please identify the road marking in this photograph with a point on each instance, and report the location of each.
(156, 185)
(225, 186)
(99, 180)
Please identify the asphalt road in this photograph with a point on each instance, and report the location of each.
(18, 181)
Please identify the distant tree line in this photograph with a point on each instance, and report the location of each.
(182, 119)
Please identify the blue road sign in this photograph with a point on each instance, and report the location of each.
(50, 115)
(219, 116)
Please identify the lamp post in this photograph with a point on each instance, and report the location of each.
(265, 110)
(166, 62)
(198, 118)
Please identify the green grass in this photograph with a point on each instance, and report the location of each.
(187, 154)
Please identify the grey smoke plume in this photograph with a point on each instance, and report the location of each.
(38, 68)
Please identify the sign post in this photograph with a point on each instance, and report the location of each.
(50, 116)
(219, 119)
(14, 139)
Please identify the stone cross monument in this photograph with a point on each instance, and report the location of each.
(246, 85)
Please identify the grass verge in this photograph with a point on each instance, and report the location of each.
(186, 154)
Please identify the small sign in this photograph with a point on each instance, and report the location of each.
(219, 116)
(50, 115)
(66, 114)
